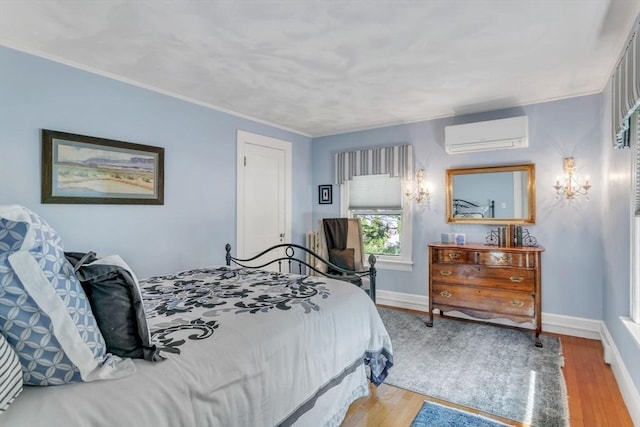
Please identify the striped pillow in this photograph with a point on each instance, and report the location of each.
(10, 374)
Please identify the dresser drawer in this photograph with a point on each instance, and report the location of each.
(516, 279)
(457, 256)
(484, 299)
(503, 258)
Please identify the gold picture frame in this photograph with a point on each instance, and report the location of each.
(522, 190)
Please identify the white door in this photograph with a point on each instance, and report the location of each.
(264, 193)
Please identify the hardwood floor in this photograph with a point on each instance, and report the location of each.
(594, 397)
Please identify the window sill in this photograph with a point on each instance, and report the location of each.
(633, 327)
(383, 264)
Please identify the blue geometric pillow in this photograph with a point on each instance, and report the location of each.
(44, 312)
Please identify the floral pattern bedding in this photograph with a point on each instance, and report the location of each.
(243, 348)
(194, 300)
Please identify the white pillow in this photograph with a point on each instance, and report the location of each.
(468, 215)
(44, 313)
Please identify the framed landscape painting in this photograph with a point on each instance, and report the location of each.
(85, 169)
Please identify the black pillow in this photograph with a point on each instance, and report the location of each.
(343, 258)
(116, 304)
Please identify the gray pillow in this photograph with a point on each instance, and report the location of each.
(115, 299)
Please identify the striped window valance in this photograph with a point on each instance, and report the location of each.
(625, 87)
(396, 161)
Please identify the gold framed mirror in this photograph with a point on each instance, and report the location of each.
(492, 195)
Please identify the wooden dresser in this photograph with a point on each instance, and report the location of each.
(486, 282)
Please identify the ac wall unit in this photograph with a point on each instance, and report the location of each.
(485, 136)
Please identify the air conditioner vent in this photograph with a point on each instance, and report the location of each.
(490, 135)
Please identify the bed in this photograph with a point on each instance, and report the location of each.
(242, 346)
(466, 209)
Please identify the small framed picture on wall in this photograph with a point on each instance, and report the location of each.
(325, 196)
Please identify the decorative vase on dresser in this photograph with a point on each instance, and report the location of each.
(486, 282)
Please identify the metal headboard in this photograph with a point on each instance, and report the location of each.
(296, 256)
(460, 203)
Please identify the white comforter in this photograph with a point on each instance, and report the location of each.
(243, 348)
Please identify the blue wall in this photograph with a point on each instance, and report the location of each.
(199, 213)
(618, 204)
(572, 263)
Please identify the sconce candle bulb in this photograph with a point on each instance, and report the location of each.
(416, 190)
(570, 185)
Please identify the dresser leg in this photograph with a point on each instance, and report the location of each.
(429, 322)
(538, 342)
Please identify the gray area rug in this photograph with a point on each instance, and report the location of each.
(496, 370)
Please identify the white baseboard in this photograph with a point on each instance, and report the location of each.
(572, 326)
(402, 300)
(628, 390)
(555, 323)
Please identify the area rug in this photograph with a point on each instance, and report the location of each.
(435, 415)
(493, 369)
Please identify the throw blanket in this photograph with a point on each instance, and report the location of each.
(336, 230)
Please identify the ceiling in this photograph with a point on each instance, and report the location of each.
(327, 67)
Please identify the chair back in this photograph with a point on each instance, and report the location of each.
(354, 240)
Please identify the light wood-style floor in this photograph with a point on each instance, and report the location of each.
(594, 397)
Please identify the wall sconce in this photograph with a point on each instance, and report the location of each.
(570, 184)
(417, 190)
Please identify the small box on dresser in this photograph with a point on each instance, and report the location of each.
(486, 282)
(447, 237)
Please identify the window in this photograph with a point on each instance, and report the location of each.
(381, 231)
(386, 218)
(633, 323)
(635, 273)
(635, 225)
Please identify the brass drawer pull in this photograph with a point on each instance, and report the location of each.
(445, 272)
(516, 279)
(517, 303)
(454, 255)
(446, 294)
